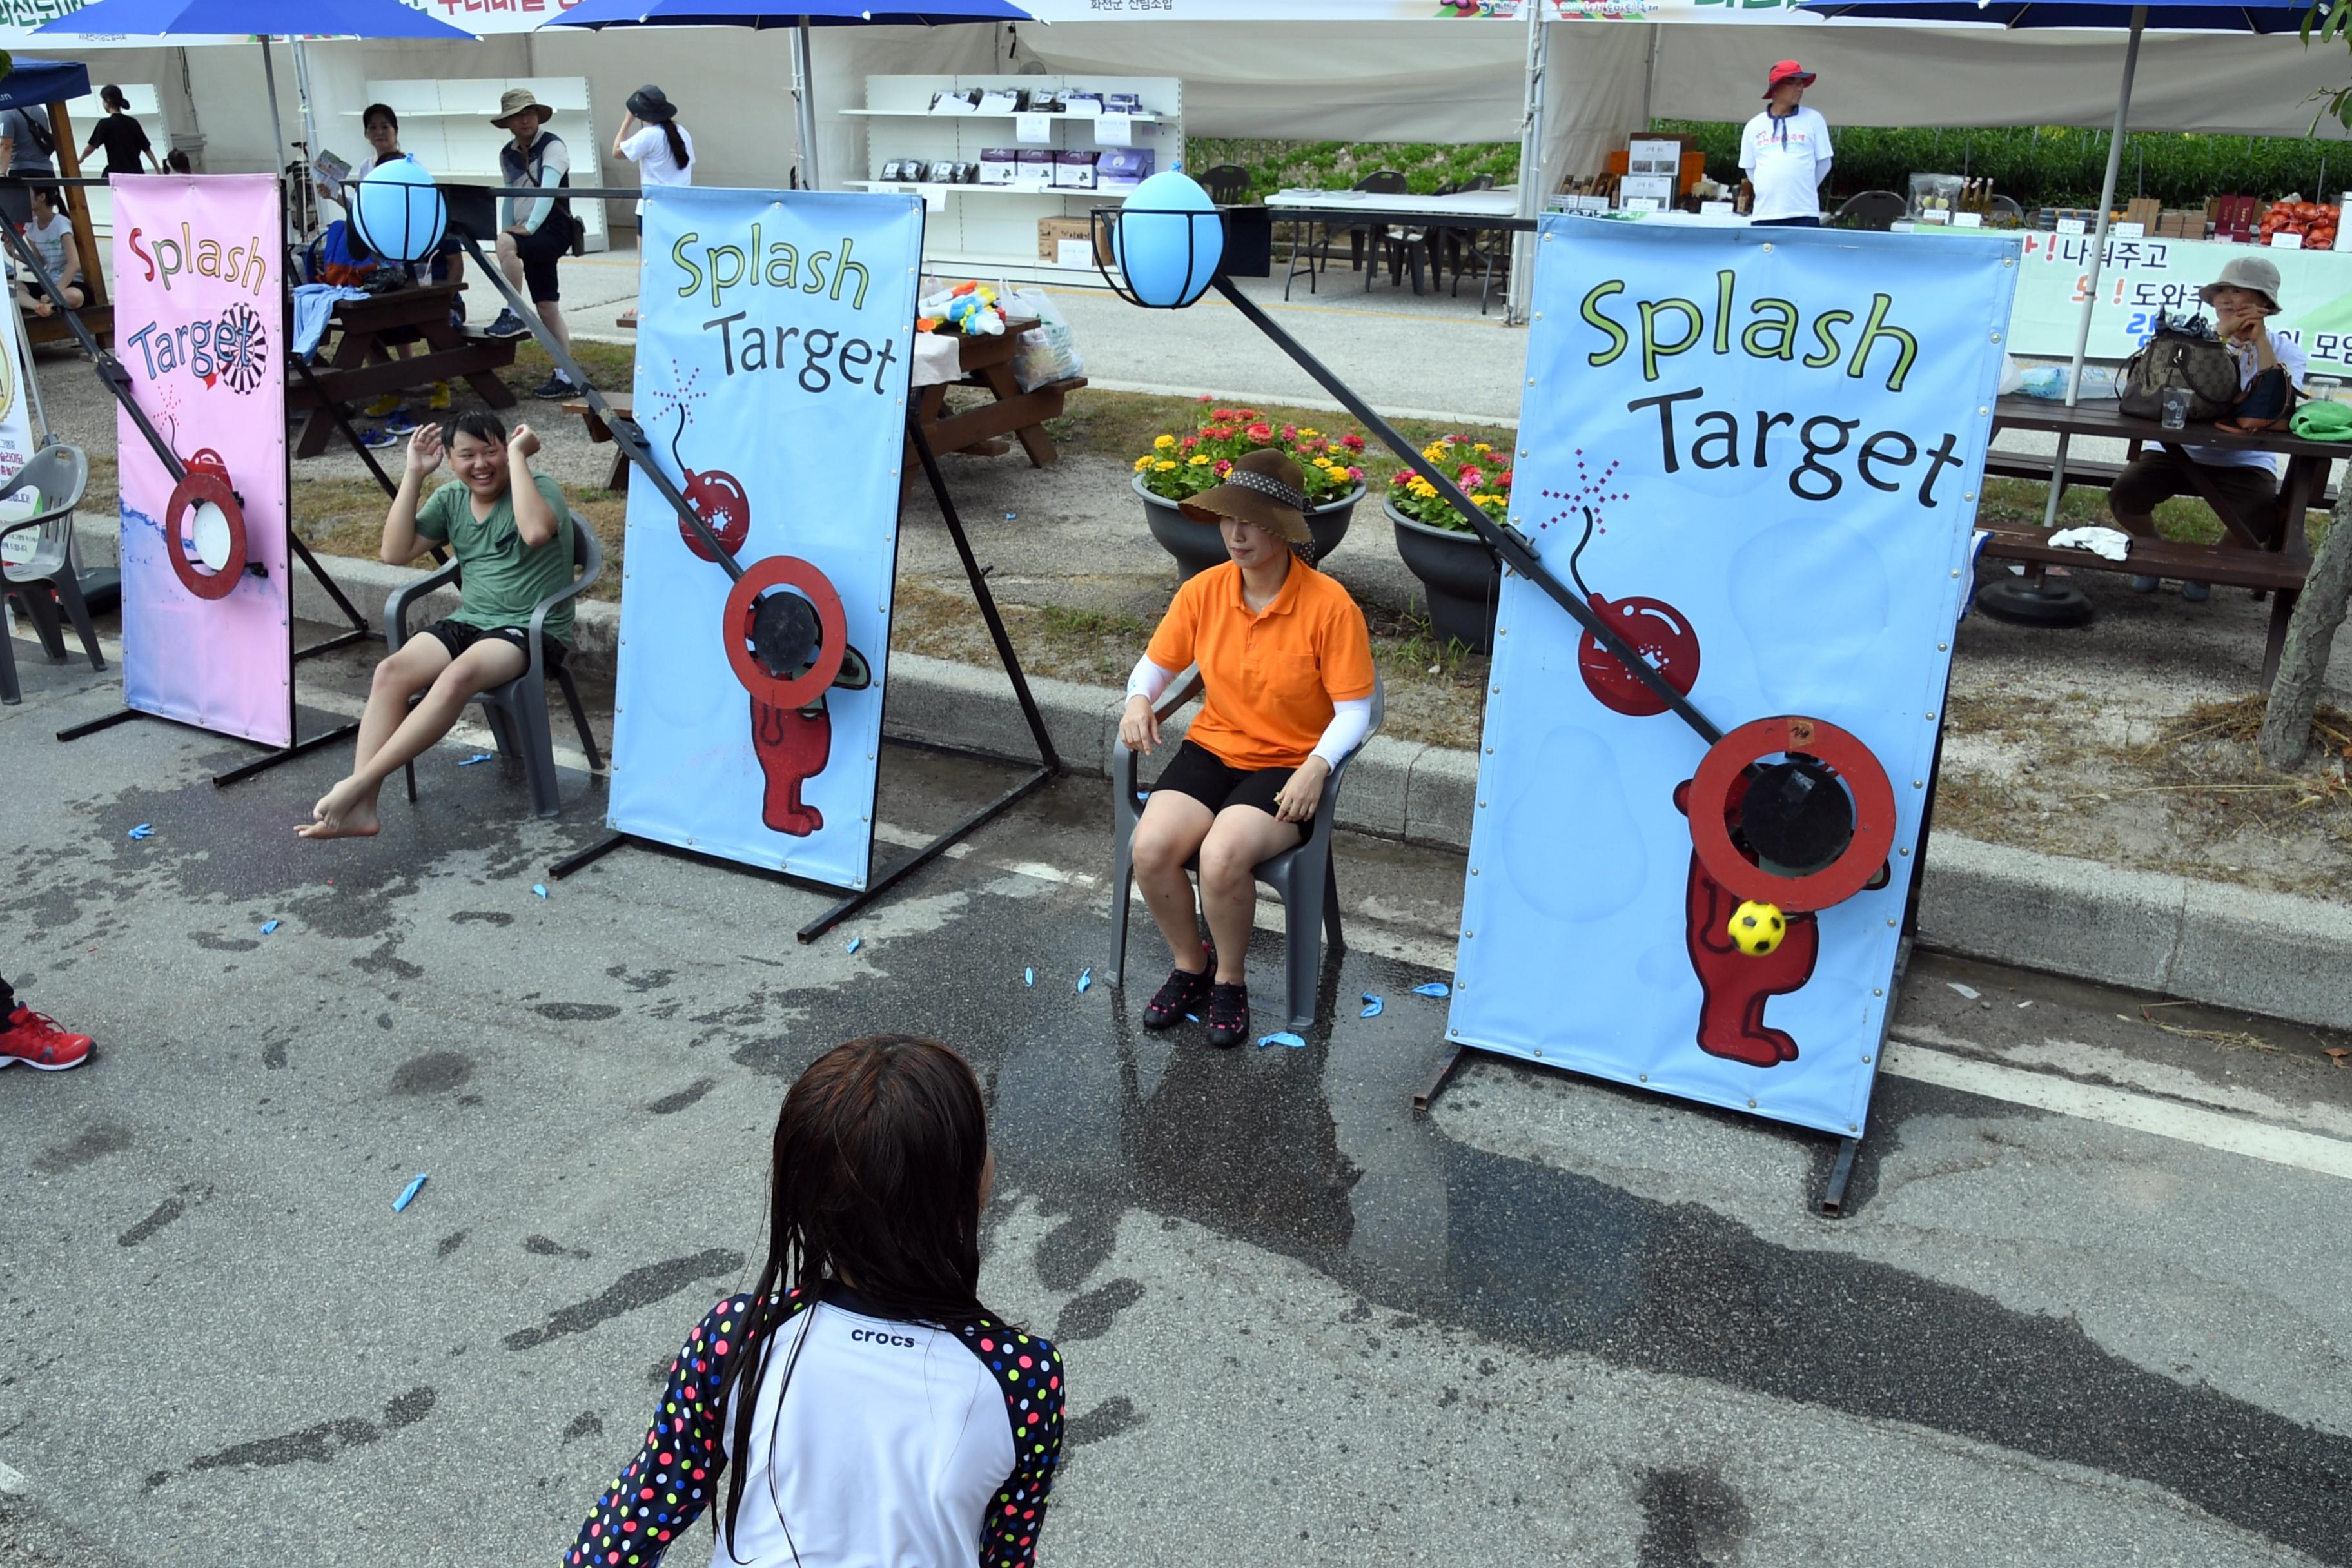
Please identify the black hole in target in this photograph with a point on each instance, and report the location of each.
(1796, 816)
(785, 634)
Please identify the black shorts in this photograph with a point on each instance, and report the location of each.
(1813, 222)
(1197, 772)
(457, 636)
(540, 253)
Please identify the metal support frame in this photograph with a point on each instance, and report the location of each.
(630, 440)
(117, 382)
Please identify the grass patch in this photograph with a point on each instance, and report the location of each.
(610, 367)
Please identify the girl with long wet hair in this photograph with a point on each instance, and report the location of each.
(859, 1403)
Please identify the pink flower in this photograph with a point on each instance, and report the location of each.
(1471, 476)
(1356, 475)
(1503, 480)
(1219, 432)
(1290, 432)
(1247, 414)
(1189, 442)
(1353, 442)
(1205, 398)
(1261, 431)
(1223, 467)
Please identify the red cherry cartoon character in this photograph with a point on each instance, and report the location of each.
(205, 460)
(788, 649)
(719, 500)
(792, 744)
(1734, 986)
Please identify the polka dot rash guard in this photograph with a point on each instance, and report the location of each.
(895, 1442)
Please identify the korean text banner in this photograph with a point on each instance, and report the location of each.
(774, 331)
(198, 310)
(1756, 452)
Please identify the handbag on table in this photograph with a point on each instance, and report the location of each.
(2183, 353)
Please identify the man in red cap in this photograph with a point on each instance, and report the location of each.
(1785, 151)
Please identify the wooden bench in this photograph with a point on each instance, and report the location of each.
(2084, 472)
(987, 363)
(365, 366)
(624, 405)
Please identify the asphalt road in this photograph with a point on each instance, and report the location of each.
(2091, 1306)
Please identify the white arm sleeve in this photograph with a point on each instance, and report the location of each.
(1149, 681)
(1350, 721)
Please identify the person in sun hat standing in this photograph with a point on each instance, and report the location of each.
(1785, 151)
(536, 228)
(1286, 679)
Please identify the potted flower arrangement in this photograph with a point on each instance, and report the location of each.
(1180, 467)
(1457, 571)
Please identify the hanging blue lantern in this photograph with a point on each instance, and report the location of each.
(1167, 240)
(399, 211)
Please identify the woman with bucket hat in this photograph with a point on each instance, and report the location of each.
(651, 138)
(1785, 151)
(2271, 369)
(1287, 675)
(535, 228)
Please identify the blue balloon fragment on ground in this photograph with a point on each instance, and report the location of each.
(539, 889)
(1435, 988)
(1283, 1037)
(408, 1194)
(268, 927)
(1086, 979)
(1373, 1007)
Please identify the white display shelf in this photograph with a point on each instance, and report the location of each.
(934, 114)
(997, 238)
(445, 125)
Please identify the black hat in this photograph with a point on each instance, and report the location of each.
(652, 105)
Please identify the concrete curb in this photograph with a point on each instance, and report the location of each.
(2272, 953)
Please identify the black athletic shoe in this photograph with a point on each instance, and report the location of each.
(1228, 1015)
(556, 387)
(1182, 994)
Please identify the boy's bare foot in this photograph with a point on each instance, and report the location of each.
(346, 811)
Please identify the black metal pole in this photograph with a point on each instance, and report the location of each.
(109, 369)
(921, 441)
(625, 431)
(1507, 542)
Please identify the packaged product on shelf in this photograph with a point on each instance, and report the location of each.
(998, 166)
(1033, 167)
(999, 101)
(956, 100)
(1074, 169)
(1122, 103)
(1935, 198)
(901, 169)
(1089, 104)
(942, 172)
(1045, 101)
(1123, 168)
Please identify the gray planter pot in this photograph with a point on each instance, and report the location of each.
(1197, 546)
(1458, 573)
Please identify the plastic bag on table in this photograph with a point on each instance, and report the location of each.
(1048, 351)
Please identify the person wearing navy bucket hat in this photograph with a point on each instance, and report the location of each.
(1785, 152)
(1286, 665)
(651, 138)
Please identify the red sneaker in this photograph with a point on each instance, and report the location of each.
(35, 1039)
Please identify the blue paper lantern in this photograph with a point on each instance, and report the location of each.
(1167, 240)
(399, 211)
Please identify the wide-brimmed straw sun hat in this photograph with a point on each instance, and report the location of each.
(2255, 273)
(514, 101)
(652, 105)
(1263, 487)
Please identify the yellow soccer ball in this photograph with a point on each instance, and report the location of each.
(1757, 929)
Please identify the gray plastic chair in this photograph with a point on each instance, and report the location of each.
(1870, 209)
(58, 475)
(1228, 184)
(517, 712)
(1300, 878)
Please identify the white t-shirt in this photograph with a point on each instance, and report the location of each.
(649, 151)
(1786, 157)
(2295, 363)
(50, 241)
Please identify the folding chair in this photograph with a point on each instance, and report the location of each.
(48, 488)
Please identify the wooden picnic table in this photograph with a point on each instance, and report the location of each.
(365, 366)
(2263, 548)
(985, 363)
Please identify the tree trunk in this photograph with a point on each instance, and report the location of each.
(2310, 637)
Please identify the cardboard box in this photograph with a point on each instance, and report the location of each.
(1123, 168)
(998, 166)
(1033, 167)
(1051, 231)
(1074, 169)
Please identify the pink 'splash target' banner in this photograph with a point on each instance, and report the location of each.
(199, 324)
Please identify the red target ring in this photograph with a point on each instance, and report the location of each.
(207, 483)
(1873, 812)
(784, 572)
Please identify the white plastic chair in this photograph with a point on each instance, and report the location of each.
(45, 490)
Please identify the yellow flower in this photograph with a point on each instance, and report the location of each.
(1308, 435)
(1141, 464)
(1422, 488)
(1163, 466)
(1483, 450)
(1163, 442)
(1199, 459)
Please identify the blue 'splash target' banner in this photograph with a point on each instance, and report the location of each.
(1763, 447)
(774, 332)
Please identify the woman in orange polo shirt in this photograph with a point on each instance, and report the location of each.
(1286, 677)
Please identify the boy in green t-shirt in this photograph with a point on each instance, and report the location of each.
(510, 531)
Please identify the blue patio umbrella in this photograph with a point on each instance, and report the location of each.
(265, 19)
(803, 16)
(2256, 17)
